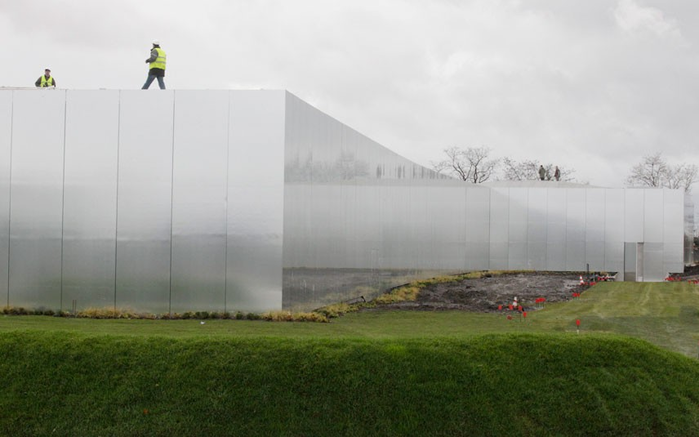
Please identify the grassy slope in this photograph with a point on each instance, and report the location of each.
(363, 374)
(77, 384)
(666, 314)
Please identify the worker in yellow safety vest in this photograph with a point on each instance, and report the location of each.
(45, 80)
(157, 66)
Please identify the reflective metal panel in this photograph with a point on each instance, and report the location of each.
(499, 228)
(519, 202)
(89, 217)
(36, 192)
(537, 222)
(630, 262)
(556, 229)
(518, 212)
(144, 200)
(614, 215)
(634, 213)
(689, 257)
(614, 231)
(653, 268)
(614, 258)
(5, 155)
(673, 230)
(199, 201)
(477, 238)
(672, 258)
(397, 251)
(575, 229)
(673, 215)
(653, 216)
(255, 200)
(595, 203)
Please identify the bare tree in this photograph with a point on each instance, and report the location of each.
(654, 171)
(520, 170)
(528, 170)
(682, 176)
(471, 164)
(649, 172)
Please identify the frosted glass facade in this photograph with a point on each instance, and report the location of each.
(176, 201)
(154, 201)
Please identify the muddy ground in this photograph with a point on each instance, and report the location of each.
(485, 294)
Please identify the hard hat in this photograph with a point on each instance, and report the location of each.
(156, 42)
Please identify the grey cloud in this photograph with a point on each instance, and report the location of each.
(551, 79)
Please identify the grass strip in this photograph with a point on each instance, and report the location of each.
(59, 383)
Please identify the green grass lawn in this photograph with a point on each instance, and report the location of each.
(370, 373)
(665, 314)
(514, 384)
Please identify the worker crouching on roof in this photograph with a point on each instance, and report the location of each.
(157, 66)
(45, 80)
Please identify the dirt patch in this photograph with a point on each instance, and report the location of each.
(690, 273)
(484, 295)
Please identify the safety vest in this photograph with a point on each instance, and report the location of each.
(160, 60)
(46, 82)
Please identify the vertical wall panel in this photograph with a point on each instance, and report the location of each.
(537, 222)
(673, 230)
(595, 204)
(5, 154)
(199, 201)
(633, 217)
(477, 225)
(517, 239)
(499, 228)
(421, 230)
(614, 231)
(37, 198)
(653, 267)
(144, 200)
(653, 215)
(556, 229)
(255, 200)
(673, 215)
(630, 262)
(369, 225)
(399, 252)
(89, 218)
(575, 229)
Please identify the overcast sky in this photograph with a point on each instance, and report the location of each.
(591, 85)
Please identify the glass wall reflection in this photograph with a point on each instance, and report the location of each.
(178, 201)
(359, 219)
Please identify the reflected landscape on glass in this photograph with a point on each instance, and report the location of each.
(179, 201)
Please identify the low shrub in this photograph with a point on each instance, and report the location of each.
(100, 313)
(278, 316)
(400, 294)
(288, 316)
(310, 317)
(16, 311)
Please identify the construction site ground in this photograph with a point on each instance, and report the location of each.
(484, 295)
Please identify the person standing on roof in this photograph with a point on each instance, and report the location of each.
(157, 66)
(557, 174)
(45, 80)
(542, 172)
